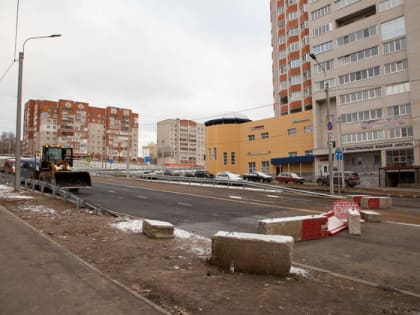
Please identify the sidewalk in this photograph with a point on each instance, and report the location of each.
(37, 276)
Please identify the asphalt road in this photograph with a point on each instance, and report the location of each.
(386, 254)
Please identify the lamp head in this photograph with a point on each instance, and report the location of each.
(312, 56)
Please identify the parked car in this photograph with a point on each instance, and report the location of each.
(258, 177)
(9, 166)
(351, 179)
(290, 178)
(203, 174)
(30, 167)
(227, 177)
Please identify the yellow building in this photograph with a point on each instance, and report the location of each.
(273, 145)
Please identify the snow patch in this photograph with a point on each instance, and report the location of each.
(6, 192)
(39, 209)
(299, 272)
(129, 225)
(200, 246)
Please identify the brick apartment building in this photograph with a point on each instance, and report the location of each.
(180, 142)
(100, 133)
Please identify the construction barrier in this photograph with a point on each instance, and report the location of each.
(376, 203)
(301, 227)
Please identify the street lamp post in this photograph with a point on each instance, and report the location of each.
(19, 109)
(329, 127)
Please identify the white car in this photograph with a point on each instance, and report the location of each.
(227, 177)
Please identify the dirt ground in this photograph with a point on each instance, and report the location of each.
(175, 273)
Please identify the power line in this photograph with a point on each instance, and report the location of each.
(7, 70)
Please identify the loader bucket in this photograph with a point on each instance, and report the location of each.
(70, 179)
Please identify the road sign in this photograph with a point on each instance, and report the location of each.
(338, 155)
(330, 125)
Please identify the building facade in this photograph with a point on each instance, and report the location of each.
(100, 133)
(291, 62)
(368, 51)
(272, 145)
(180, 143)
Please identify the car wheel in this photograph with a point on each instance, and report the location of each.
(320, 182)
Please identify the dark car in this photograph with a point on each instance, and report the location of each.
(258, 177)
(351, 179)
(29, 168)
(203, 174)
(290, 178)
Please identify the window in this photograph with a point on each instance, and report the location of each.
(320, 30)
(321, 12)
(282, 38)
(232, 158)
(400, 157)
(296, 79)
(400, 132)
(323, 47)
(214, 154)
(359, 75)
(395, 45)
(295, 46)
(393, 28)
(225, 158)
(251, 167)
(371, 135)
(293, 31)
(344, 3)
(282, 54)
(399, 110)
(292, 154)
(397, 88)
(307, 129)
(292, 15)
(327, 65)
(291, 131)
(265, 167)
(307, 91)
(295, 96)
(360, 96)
(294, 63)
(308, 152)
(359, 55)
(389, 4)
(319, 85)
(283, 68)
(352, 37)
(396, 66)
(366, 115)
(251, 137)
(264, 135)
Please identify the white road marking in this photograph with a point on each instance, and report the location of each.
(184, 204)
(112, 191)
(273, 196)
(235, 197)
(141, 197)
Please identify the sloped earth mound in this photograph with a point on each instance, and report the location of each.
(175, 273)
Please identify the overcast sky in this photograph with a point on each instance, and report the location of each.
(187, 59)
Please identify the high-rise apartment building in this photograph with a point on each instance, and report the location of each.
(180, 142)
(101, 133)
(368, 51)
(291, 62)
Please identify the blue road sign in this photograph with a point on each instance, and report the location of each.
(338, 155)
(329, 125)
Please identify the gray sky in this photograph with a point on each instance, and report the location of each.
(163, 59)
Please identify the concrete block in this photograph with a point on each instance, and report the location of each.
(300, 227)
(356, 198)
(252, 253)
(158, 229)
(353, 222)
(370, 216)
(376, 202)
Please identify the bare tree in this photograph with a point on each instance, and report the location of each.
(7, 143)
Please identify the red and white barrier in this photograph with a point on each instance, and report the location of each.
(302, 228)
(376, 202)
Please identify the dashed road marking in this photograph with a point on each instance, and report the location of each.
(184, 204)
(235, 197)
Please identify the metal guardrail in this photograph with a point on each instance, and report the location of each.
(67, 195)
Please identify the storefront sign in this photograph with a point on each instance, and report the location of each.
(382, 123)
(380, 146)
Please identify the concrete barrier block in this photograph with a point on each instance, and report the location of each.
(252, 253)
(353, 222)
(376, 202)
(300, 227)
(370, 216)
(356, 198)
(158, 229)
